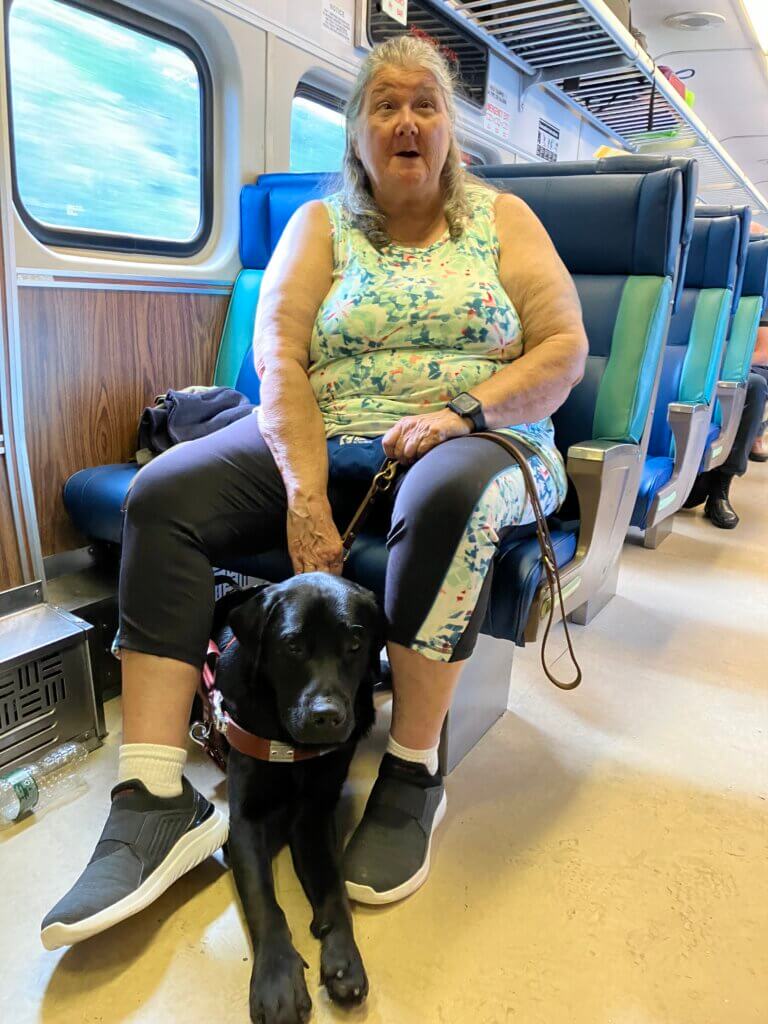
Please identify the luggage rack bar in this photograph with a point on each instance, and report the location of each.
(581, 52)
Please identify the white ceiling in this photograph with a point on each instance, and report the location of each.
(731, 80)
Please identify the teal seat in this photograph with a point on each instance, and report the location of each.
(732, 385)
(690, 369)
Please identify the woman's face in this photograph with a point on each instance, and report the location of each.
(403, 132)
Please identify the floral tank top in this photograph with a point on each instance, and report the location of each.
(403, 330)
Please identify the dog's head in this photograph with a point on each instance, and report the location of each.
(315, 640)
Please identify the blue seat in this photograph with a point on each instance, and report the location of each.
(629, 164)
(626, 290)
(731, 388)
(691, 363)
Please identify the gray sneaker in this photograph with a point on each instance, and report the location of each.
(388, 856)
(147, 843)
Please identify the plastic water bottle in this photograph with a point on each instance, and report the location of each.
(35, 785)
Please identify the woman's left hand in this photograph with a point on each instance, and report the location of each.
(413, 436)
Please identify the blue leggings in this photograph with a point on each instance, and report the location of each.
(215, 500)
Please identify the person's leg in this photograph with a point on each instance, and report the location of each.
(200, 502)
(438, 586)
(759, 450)
(718, 507)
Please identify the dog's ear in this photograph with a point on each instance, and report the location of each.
(248, 619)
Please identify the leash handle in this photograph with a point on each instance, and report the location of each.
(548, 556)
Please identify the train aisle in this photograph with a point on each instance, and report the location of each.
(603, 860)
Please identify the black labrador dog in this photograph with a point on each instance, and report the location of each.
(301, 670)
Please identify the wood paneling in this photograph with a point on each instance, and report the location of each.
(92, 360)
(10, 566)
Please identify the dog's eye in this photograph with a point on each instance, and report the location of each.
(293, 644)
(354, 644)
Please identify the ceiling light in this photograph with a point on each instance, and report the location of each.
(757, 12)
(694, 21)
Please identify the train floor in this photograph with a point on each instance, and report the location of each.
(603, 859)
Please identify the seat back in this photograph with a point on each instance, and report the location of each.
(624, 283)
(624, 280)
(697, 332)
(265, 209)
(752, 304)
(688, 167)
(744, 216)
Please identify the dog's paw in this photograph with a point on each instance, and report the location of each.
(278, 990)
(341, 969)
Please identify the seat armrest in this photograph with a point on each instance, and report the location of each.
(606, 475)
(603, 472)
(730, 396)
(689, 423)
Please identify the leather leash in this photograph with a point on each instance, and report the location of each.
(383, 481)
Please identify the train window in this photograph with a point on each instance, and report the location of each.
(110, 128)
(317, 131)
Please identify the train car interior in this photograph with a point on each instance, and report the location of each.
(367, 367)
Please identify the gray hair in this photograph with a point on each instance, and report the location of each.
(404, 51)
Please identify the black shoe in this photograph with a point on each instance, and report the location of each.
(147, 843)
(699, 492)
(718, 507)
(387, 857)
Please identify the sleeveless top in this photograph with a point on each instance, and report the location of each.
(403, 330)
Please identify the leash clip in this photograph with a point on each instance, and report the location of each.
(200, 733)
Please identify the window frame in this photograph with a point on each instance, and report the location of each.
(307, 91)
(116, 243)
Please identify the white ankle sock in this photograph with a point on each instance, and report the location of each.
(426, 757)
(158, 767)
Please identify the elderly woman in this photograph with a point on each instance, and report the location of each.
(406, 312)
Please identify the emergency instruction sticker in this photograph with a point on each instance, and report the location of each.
(548, 141)
(397, 9)
(497, 118)
(337, 20)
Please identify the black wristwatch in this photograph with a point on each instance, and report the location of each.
(468, 406)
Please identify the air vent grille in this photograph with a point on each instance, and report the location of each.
(575, 48)
(31, 689)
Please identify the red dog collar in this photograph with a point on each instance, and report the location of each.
(248, 743)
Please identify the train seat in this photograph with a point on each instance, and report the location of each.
(625, 289)
(691, 363)
(731, 387)
(628, 164)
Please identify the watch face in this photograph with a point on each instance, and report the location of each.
(466, 403)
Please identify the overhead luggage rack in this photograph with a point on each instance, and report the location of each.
(581, 51)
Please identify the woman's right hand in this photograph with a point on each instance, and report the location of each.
(314, 543)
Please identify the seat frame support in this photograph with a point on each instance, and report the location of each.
(689, 423)
(606, 475)
(731, 395)
(481, 698)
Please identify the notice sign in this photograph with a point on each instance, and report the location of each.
(497, 116)
(337, 20)
(548, 141)
(397, 9)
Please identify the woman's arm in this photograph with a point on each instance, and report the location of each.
(555, 343)
(295, 283)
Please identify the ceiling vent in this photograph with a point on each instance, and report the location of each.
(694, 21)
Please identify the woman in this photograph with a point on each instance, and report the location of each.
(415, 306)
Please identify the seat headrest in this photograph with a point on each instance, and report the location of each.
(744, 215)
(714, 252)
(644, 211)
(267, 206)
(608, 223)
(756, 274)
(629, 164)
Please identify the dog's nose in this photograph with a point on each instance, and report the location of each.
(324, 711)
